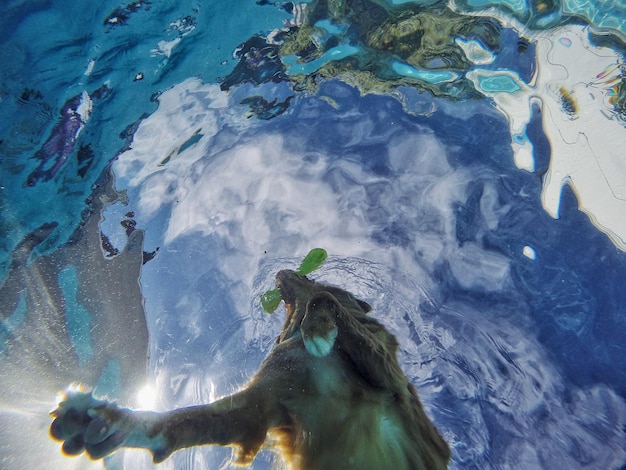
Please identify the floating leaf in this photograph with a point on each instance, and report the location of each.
(312, 261)
(271, 300)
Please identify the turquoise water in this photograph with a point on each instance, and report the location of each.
(161, 161)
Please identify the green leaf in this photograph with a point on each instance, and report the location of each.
(271, 300)
(312, 261)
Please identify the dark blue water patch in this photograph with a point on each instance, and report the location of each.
(573, 287)
(264, 109)
(484, 139)
(121, 15)
(14, 14)
(522, 222)
(264, 102)
(575, 293)
(468, 218)
(363, 126)
(259, 63)
(516, 54)
(539, 140)
(347, 126)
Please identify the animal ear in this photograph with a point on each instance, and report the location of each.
(364, 305)
(319, 326)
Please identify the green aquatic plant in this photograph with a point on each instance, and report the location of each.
(312, 261)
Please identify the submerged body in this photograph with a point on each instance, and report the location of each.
(330, 395)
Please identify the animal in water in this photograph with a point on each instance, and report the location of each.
(330, 395)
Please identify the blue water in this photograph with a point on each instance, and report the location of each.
(177, 131)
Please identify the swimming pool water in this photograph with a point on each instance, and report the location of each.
(462, 165)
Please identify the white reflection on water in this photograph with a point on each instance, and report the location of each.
(573, 86)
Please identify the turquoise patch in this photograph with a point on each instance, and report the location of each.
(498, 83)
(110, 381)
(77, 317)
(416, 2)
(518, 6)
(330, 28)
(429, 76)
(334, 53)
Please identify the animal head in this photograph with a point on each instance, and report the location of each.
(297, 291)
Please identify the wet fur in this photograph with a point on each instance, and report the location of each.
(331, 394)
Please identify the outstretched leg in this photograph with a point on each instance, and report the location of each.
(99, 427)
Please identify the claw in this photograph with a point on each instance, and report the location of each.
(74, 446)
(80, 422)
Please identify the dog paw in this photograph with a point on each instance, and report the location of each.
(86, 424)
